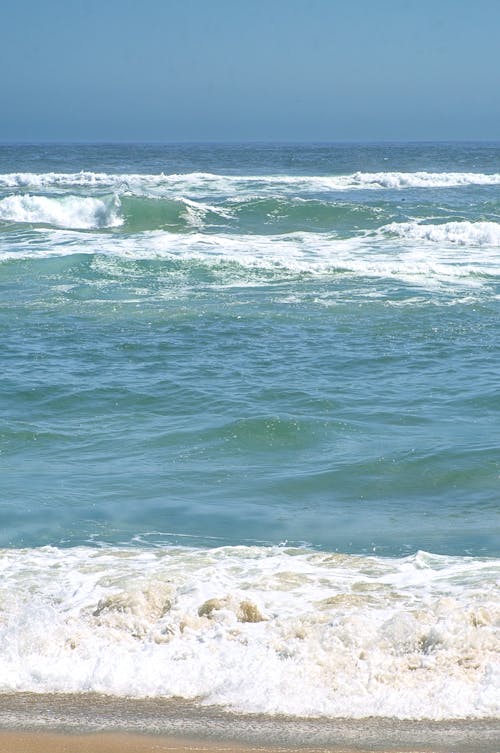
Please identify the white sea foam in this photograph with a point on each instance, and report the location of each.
(77, 212)
(462, 233)
(390, 253)
(422, 179)
(256, 629)
(195, 212)
(195, 184)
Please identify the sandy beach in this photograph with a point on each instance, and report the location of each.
(50, 742)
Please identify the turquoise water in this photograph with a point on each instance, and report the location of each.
(290, 349)
(251, 359)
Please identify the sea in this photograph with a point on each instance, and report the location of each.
(250, 427)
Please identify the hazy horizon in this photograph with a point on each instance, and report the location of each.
(278, 72)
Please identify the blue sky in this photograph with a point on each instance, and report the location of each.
(220, 70)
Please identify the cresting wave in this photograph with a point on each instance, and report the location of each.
(256, 629)
(461, 233)
(211, 182)
(78, 212)
(137, 215)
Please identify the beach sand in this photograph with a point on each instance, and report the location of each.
(51, 742)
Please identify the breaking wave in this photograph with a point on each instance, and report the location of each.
(256, 629)
(78, 212)
(462, 233)
(226, 184)
(240, 256)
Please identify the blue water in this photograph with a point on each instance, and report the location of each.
(236, 344)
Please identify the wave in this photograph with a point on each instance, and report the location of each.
(252, 215)
(84, 213)
(234, 258)
(209, 183)
(175, 215)
(179, 214)
(255, 629)
(283, 218)
(295, 252)
(462, 233)
(422, 179)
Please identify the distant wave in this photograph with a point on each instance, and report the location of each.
(420, 179)
(210, 182)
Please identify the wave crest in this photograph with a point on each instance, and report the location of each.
(75, 212)
(462, 233)
(203, 183)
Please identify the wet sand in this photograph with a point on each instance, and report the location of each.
(46, 742)
(67, 723)
(50, 742)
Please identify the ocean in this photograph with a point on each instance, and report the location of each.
(250, 426)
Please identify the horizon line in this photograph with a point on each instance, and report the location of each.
(239, 142)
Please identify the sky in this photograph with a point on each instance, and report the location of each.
(249, 70)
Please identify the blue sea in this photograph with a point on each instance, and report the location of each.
(250, 426)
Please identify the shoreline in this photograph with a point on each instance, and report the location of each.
(53, 723)
(114, 742)
(43, 741)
